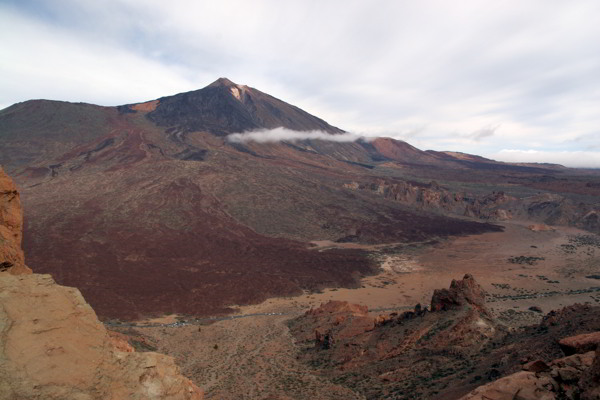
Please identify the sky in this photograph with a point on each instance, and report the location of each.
(514, 81)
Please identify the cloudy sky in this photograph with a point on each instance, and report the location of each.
(511, 80)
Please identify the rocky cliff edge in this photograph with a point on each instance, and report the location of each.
(52, 345)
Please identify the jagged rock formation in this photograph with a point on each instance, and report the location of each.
(52, 345)
(590, 380)
(405, 353)
(461, 293)
(446, 352)
(547, 208)
(11, 228)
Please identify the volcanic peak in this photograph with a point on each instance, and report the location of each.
(224, 107)
(224, 82)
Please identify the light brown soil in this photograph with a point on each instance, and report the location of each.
(256, 357)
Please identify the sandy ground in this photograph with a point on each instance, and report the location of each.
(254, 357)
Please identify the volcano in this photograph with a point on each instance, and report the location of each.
(148, 209)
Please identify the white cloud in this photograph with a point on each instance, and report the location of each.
(573, 159)
(287, 135)
(51, 63)
(434, 72)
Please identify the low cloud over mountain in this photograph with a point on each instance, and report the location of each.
(283, 134)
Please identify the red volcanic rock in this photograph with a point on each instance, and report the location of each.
(576, 376)
(11, 228)
(522, 385)
(460, 293)
(324, 341)
(590, 381)
(337, 307)
(536, 366)
(421, 355)
(580, 343)
(120, 342)
(383, 319)
(339, 320)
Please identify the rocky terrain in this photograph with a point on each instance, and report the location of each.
(243, 261)
(271, 363)
(52, 345)
(572, 377)
(445, 349)
(156, 200)
(11, 228)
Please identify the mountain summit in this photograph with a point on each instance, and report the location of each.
(224, 107)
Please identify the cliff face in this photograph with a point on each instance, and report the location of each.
(52, 345)
(11, 228)
(548, 208)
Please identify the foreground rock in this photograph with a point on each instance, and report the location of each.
(580, 343)
(52, 345)
(449, 350)
(572, 377)
(412, 354)
(11, 228)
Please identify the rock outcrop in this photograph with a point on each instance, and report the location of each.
(573, 377)
(338, 320)
(545, 208)
(11, 228)
(410, 354)
(450, 350)
(580, 343)
(52, 345)
(460, 293)
(590, 381)
(434, 197)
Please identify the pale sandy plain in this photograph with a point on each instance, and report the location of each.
(254, 357)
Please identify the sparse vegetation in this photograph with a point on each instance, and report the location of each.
(529, 260)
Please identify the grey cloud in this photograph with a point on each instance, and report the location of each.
(484, 132)
(575, 159)
(530, 67)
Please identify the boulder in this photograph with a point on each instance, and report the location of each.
(580, 343)
(590, 381)
(522, 385)
(54, 347)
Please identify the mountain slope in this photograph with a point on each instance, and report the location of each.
(171, 217)
(224, 107)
